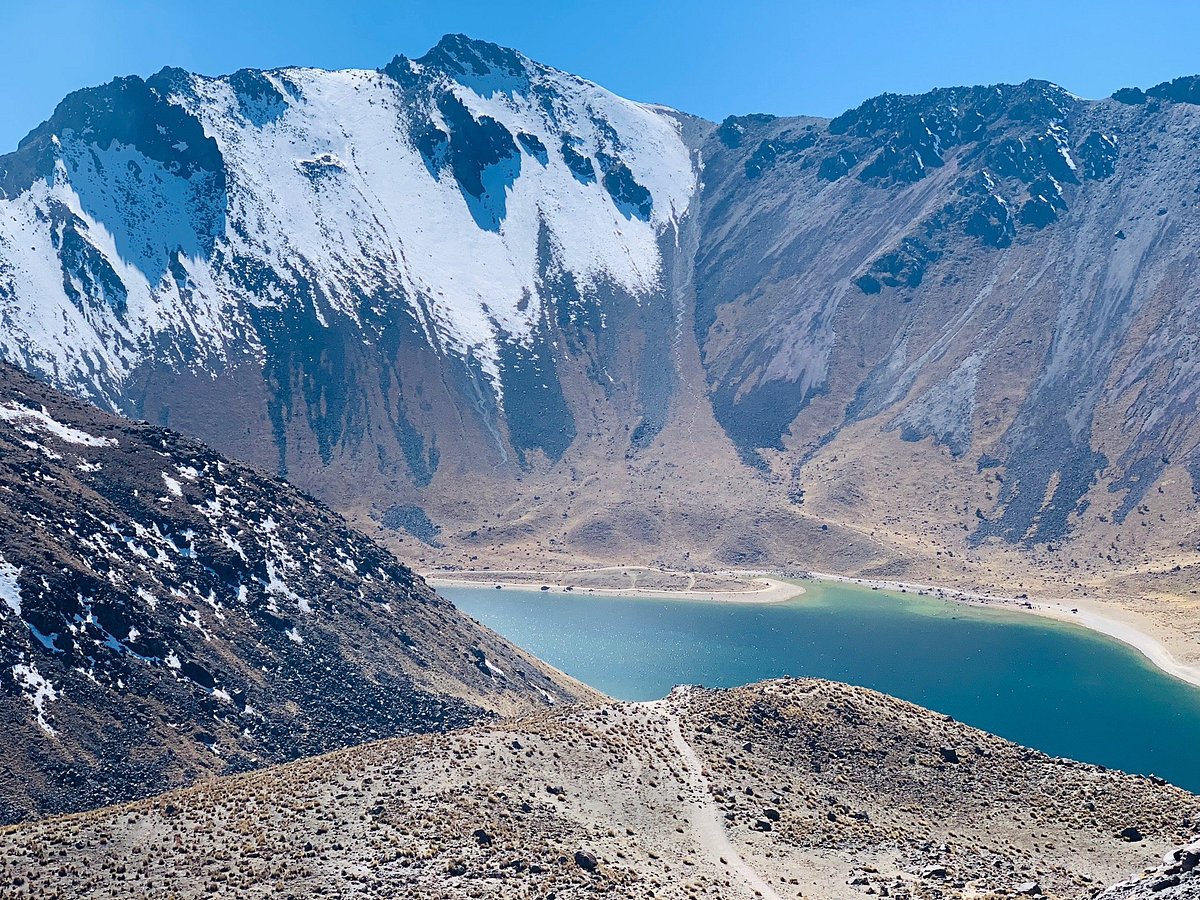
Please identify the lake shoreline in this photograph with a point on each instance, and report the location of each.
(1087, 614)
(772, 589)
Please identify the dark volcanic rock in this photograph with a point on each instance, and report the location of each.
(166, 614)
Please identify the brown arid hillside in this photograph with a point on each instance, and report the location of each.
(791, 788)
(167, 615)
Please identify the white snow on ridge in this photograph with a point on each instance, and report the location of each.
(10, 590)
(175, 488)
(43, 421)
(38, 691)
(89, 346)
(332, 193)
(376, 211)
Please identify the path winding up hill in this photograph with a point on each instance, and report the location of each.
(789, 788)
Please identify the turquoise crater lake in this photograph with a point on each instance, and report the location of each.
(1055, 687)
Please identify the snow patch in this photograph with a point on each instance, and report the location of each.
(43, 421)
(10, 589)
(38, 691)
(173, 486)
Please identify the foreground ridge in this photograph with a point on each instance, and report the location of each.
(824, 791)
(707, 823)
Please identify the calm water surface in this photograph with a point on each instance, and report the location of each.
(1056, 687)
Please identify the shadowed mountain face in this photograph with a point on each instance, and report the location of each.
(470, 284)
(166, 614)
(983, 268)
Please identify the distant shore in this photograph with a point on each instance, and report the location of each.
(759, 588)
(763, 587)
(1089, 614)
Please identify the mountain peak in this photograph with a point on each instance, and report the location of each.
(1184, 89)
(483, 66)
(463, 53)
(508, 248)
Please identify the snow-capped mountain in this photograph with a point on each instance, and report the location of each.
(439, 200)
(166, 614)
(469, 286)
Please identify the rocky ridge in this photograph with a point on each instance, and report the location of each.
(168, 614)
(784, 789)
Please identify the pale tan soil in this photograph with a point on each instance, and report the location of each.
(1177, 878)
(632, 581)
(788, 788)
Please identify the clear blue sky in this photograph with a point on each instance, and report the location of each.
(709, 57)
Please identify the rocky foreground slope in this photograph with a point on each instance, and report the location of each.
(166, 614)
(1178, 878)
(785, 789)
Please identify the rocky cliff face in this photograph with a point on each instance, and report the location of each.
(996, 271)
(166, 614)
(951, 326)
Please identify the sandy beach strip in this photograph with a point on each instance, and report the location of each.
(760, 588)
